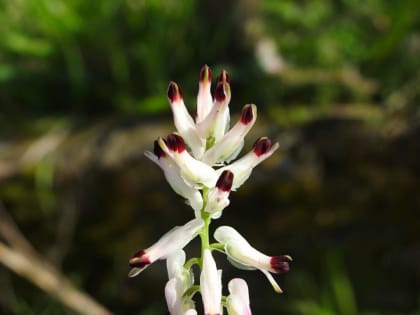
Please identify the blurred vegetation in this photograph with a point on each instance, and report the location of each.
(87, 80)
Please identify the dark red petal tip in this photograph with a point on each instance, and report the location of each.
(174, 92)
(157, 150)
(175, 143)
(220, 92)
(225, 181)
(223, 77)
(280, 264)
(262, 146)
(247, 114)
(139, 259)
(206, 74)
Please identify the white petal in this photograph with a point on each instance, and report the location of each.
(215, 124)
(210, 285)
(172, 175)
(238, 300)
(185, 125)
(194, 172)
(232, 141)
(176, 239)
(240, 250)
(175, 263)
(204, 98)
(243, 167)
(172, 296)
(217, 200)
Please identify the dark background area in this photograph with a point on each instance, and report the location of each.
(337, 84)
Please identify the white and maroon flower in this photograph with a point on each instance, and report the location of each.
(244, 256)
(214, 125)
(242, 168)
(169, 243)
(195, 173)
(218, 197)
(211, 285)
(204, 98)
(183, 121)
(232, 142)
(172, 174)
(237, 302)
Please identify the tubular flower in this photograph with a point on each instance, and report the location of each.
(180, 280)
(172, 241)
(183, 121)
(218, 197)
(232, 142)
(237, 302)
(210, 285)
(244, 256)
(242, 168)
(173, 177)
(204, 98)
(194, 172)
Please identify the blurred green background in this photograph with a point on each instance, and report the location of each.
(337, 83)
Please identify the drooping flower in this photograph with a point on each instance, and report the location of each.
(237, 302)
(242, 255)
(169, 243)
(211, 285)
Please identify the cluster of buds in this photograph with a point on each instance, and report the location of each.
(198, 163)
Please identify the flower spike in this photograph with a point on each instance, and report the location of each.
(196, 161)
(244, 256)
(171, 242)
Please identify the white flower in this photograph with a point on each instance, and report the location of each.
(218, 197)
(237, 302)
(242, 255)
(180, 280)
(183, 121)
(210, 285)
(171, 242)
(214, 126)
(242, 168)
(173, 177)
(204, 98)
(194, 172)
(232, 142)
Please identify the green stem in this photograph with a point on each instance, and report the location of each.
(204, 233)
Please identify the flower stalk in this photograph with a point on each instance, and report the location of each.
(197, 163)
